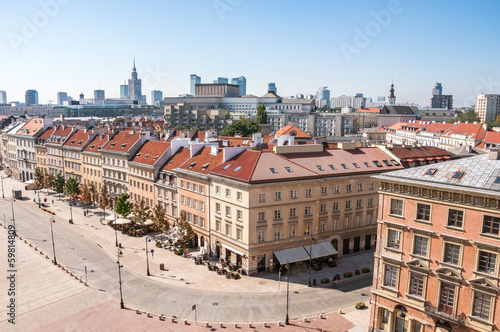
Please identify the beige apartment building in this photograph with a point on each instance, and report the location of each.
(92, 161)
(72, 153)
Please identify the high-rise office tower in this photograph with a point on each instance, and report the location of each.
(438, 90)
(61, 98)
(99, 94)
(242, 83)
(271, 87)
(124, 90)
(3, 97)
(438, 100)
(134, 86)
(156, 95)
(221, 80)
(193, 80)
(323, 96)
(31, 97)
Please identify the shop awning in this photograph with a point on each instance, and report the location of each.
(291, 255)
(233, 250)
(321, 249)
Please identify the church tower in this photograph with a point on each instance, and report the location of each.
(391, 101)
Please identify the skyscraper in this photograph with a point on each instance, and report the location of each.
(438, 100)
(242, 83)
(134, 86)
(271, 87)
(156, 95)
(194, 79)
(438, 90)
(487, 107)
(323, 96)
(61, 98)
(124, 90)
(3, 97)
(99, 94)
(31, 97)
(221, 80)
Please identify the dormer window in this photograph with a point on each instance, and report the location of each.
(113, 144)
(146, 156)
(73, 141)
(80, 142)
(192, 164)
(139, 154)
(124, 145)
(204, 167)
(155, 157)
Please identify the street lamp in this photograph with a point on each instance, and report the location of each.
(53, 245)
(147, 258)
(122, 305)
(310, 260)
(13, 219)
(287, 321)
(38, 198)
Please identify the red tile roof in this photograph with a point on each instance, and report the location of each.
(122, 141)
(78, 139)
(476, 131)
(420, 152)
(46, 134)
(369, 110)
(236, 141)
(150, 152)
(240, 166)
(96, 143)
(177, 159)
(287, 130)
(60, 132)
(438, 127)
(492, 137)
(203, 161)
(31, 128)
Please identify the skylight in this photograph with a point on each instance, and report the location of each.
(355, 165)
(344, 166)
(377, 163)
(457, 175)
(192, 164)
(205, 166)
(497, 180)
(237, 169)
(387, 163)
(332, 167)
(288, 169)
(273, 170)
(366, 164)
(320, 167)
(431, 171)
(245, 142)
(394, 162)
(227, 166)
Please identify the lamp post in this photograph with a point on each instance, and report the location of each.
(38, 198)
(122, 305)
(116, 232)
(310, 261)
(147, 257)
(13, 218)
(287, 321)
(53, 245)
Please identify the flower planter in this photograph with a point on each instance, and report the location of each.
(360, 305)
(325, 280)
(365, 270)
(347, 274)
(337, 277)
(357, 272)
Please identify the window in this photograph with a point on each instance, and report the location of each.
(347, 222)
(239, 234)
(277, 196)
(293, 194)
(451, 253)
(307, 229)
(188, 185)
(416, 284)
(335, 206)
(277, 214)
(335, 224)
(262, 197)
(431, 171)
(195, 219)
(344, 166)
(183, 200)
(273, 170)
(228, 211)
(293, 212)
(348, 188)
(391, 276)
(397, 207)
(336, 189)
(360, 186)
(491, 225)
(228, 192)
(228, 230)
(457, 175)
(239, 214)
(217, 189)
(369, 218)
(446, 298)
(182, 183)
(357, 220)
(288, 169)
(486, 262)
(202, 190)
(322, 208)
(307, 211)
(202, 206)
(217, 225)
(332, 167)
(347, 204)
(370, 201)
(308, 192)
(355, 165)
(277, 234)
(377, 163)
(481, 308)
(366, 164)
(359, 203)
(423, 212)
(324, 190)
(394, 239)
(217, 207)
(420, 245)
(293, 231)
(262, 216)
(371, 185)
(189, 202)
(195, 187)
(195, 204)
(239, 196)
(320, 167)
(455, 218)
(261, 236)
(202, 222)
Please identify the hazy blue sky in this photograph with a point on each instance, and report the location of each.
(349, 46)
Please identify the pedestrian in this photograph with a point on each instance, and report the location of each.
(152, 253)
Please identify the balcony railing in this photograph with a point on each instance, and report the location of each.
(436, 312)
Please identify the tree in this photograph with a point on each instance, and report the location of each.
(93, 192)
(104, 200)
(261, 114)
(141, 212)
(161, 223)
(244, 127)
(72, 188)
(86, 196)
(58, 183)
(39, 177)
(228, 114)
(185, 230)
(119, 120)
(123, 207)
(49, 181)
(469, 116)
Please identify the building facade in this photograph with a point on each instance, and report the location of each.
(487, 107)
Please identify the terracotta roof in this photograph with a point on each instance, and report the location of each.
(287, 130)
(46, 134)
(203, 161)
(63, 132)
(236, 141)
(369, 110)
(437, 127)
(200, 135)
(122, 141)
(32, 127)
(96, 143)
(420, 152)
(492, 137)
(476, 131)
(240, 166)
(78, 139)
(177, 159)
(150, 152)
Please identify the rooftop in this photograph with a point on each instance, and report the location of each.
(96, 143)
(203, 161)
(292, 131)
(122, 141)
(150, 152)
(78, 139)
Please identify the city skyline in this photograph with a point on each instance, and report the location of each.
(384, 41)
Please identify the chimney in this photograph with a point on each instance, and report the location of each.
(494, 154)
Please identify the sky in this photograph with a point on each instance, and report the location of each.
(349, 46)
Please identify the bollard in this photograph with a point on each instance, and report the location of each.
(235, 325)
(185, 322)
(149, 314)
(221, 325)
(320, 316)
(173, 320)
(161, 317)
(265, 324)
(206, 324)
(137, 311)
(340, 311)
(304, 320)
(250, 325)
(279, 323)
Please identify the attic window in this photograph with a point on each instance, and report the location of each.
(387, 163)
(288, 169)
(377, 163)
(80, 142)
(73, 141)
(332, 167)
(497, 180)
(457, 175)
(355, 165)
(431, 171)
(146, 156)
(366, 164)
(237, 169)
(92, 146)
(192, 164)
(155, 157)
(123, 145)
(320, 167)
(227, 166)
(273, 170)
(113, 144)
(394, 162)
(204, 167)
(344, 166)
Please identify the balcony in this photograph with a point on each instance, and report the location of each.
(439, 314)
